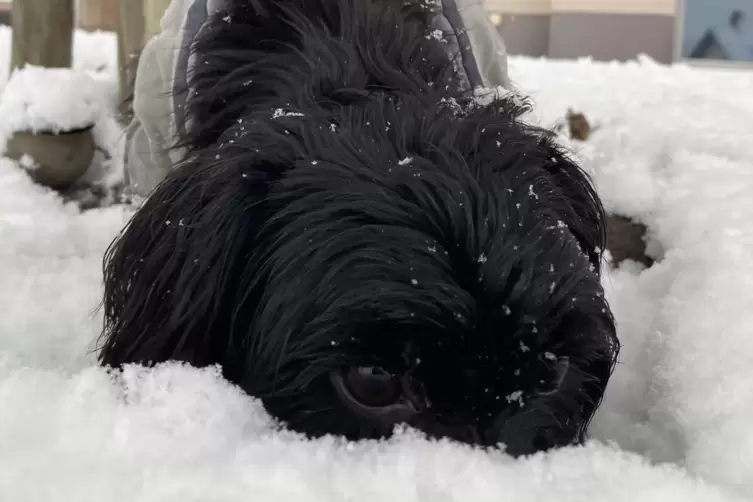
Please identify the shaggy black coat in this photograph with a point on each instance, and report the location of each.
(357, 243)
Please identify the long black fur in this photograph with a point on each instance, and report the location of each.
(345, 203)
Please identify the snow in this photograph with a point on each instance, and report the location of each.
(50, 100)
(673, 147)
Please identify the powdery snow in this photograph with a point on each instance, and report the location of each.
(675, 148)
(50, 100)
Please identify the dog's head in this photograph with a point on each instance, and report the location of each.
(443, 275)
(446, 284)
(371, 254)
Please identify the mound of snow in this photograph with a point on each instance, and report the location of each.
(50, 100)
(179, 434)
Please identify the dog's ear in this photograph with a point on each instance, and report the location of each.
(172, 277)
(502, 142)
(583, 210)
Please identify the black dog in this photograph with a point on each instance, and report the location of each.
(359, 244)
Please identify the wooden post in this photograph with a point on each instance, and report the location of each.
(153, 12)
(97, 15)
(137, 21)
(130, 34)
(42, 33)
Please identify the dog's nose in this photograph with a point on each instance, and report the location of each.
(523, 433)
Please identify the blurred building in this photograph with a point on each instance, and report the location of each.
(602, 29)
(717, 31)
(92, 14)
(97, 14)
(4, 12)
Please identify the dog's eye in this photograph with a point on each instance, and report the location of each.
(373, 386)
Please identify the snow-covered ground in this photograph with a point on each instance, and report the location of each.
(674, 148)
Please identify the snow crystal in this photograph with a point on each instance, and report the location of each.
(279, 112)
(531, 193)
(483, 96)
(515, 396)
(436, 35)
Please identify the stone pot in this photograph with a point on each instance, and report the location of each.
(60, 159)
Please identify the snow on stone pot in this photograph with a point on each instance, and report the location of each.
(50, 114)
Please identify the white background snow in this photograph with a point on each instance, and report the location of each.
(674, 148)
